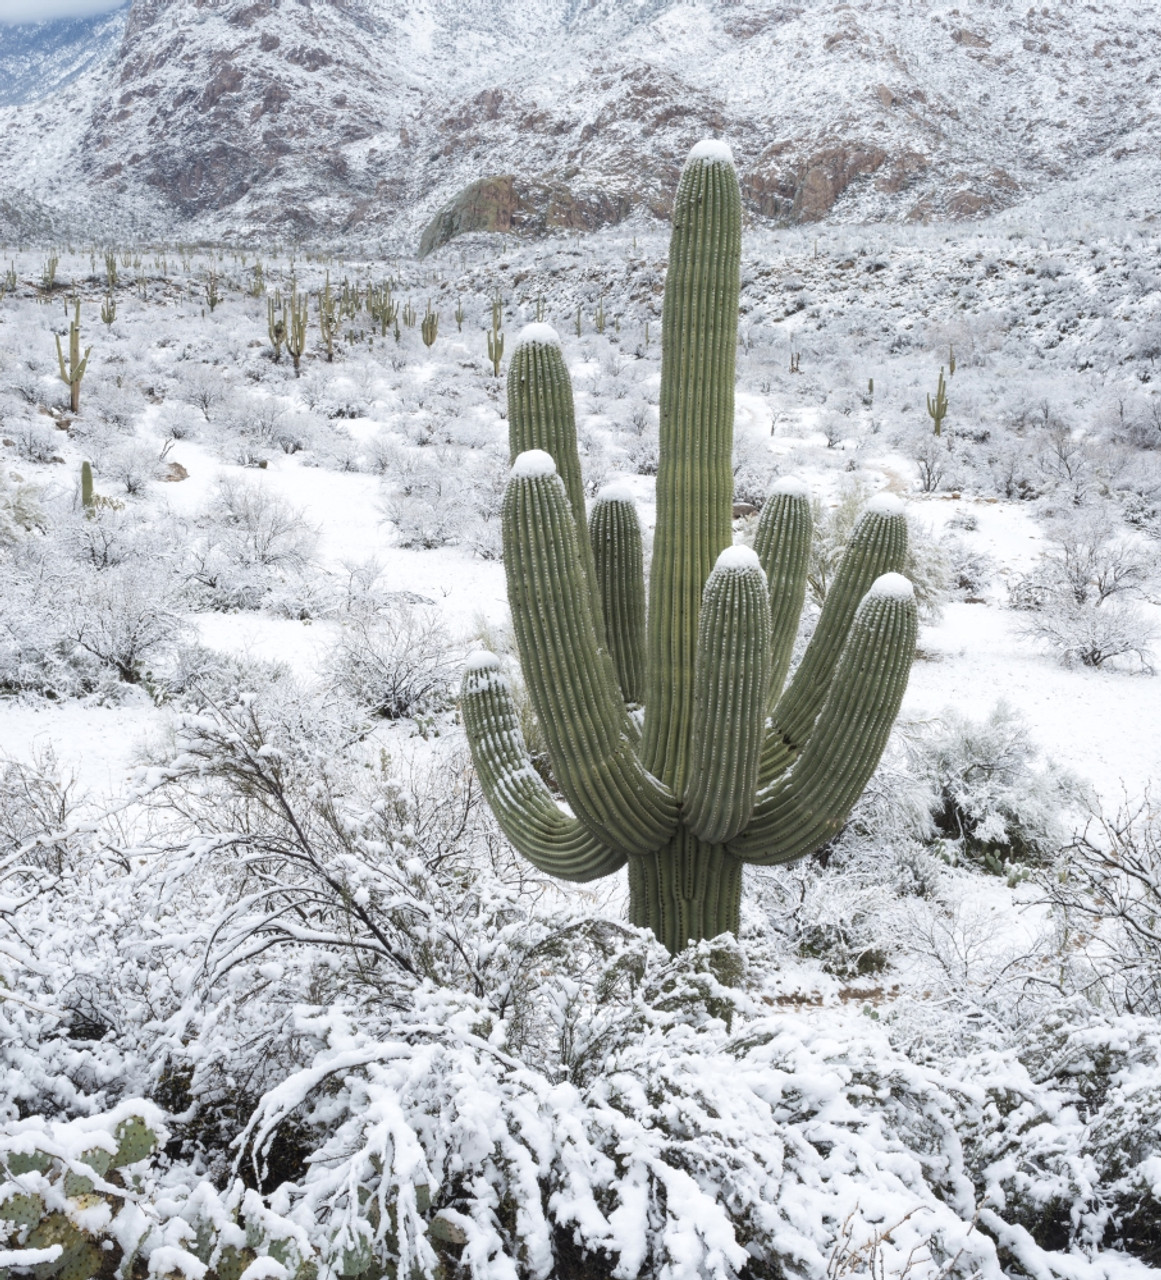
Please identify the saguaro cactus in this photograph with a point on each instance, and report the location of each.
(728, 768)
(72, 372)
(937, 408)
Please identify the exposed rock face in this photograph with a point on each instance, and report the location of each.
(508, 204)
(383, 117)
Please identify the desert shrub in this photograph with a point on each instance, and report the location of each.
(1092, 636)
(396, 663)
(248, 546)
(991, 803)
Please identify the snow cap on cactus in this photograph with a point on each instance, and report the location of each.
(615, 491)
(482, 660)
(532, 463)
(737, 559)
(886, 504)
(893, 585)
(538, 332)
(790, 486)
(713, 150)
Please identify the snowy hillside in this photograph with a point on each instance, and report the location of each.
(367, 119)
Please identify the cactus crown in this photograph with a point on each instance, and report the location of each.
(729, 767)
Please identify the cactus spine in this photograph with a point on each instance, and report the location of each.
(72, 373)
(729, 769)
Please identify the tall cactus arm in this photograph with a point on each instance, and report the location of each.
(877, 546)
(615, 534)
(731, 689)
(782, 541)
(523, 805)
(695, 477)
(806, 807)
(541, 415)
(569, 681)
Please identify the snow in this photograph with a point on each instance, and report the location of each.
(538, 333)
(886, 504)
(791, 487)
(712, 151)
(533, 463)
(737, 559)
(616, 491)
(481, 660)
(894, 586)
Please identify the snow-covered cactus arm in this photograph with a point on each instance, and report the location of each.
(807, 806)
(782, 541)
(731, 688)
(615, 533)
(570, 682)
(695, 480)
(877, 546)
(518, 796)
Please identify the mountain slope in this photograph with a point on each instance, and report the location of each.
(315, 117)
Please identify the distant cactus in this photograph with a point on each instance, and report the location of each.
(409, 314)
(296, 331)
(599, 317)
(950, 361)
(109, 309)
(111, 269)
(48, 273)
(276, 324)
(213, 294)
(328, 320)
(496, 337)
(728, 768)
(430, 326)
(577, 321)
(937, 408)
(459, 313)
(795, 357)
(72, 373)
(87, 501)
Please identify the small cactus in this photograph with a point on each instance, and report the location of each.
(109, 309)
(276, 324)
(296, 334)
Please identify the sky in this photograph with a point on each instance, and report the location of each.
(13, 11)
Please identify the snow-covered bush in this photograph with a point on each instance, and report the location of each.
(249, 544)
(991, 804)
(395, 663)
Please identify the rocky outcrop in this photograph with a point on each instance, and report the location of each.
(530, 206)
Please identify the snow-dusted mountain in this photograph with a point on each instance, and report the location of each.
(370, 117)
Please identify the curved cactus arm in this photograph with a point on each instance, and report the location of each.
(615, 534)
(731, 687)
(695, 482)
(877, 546)
(806, 807)
(523, 805)
(569, 680)
(782, 541)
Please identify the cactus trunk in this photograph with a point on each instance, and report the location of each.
(688, 891)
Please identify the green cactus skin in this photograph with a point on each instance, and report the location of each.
(522, 803)
(22, 1209)
(615, 534)
(135, 1140)
(571, 687)
(807, 806)
(878, 545)
(731, 689)
(713, 783)
(87, 500)
(695, 481)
